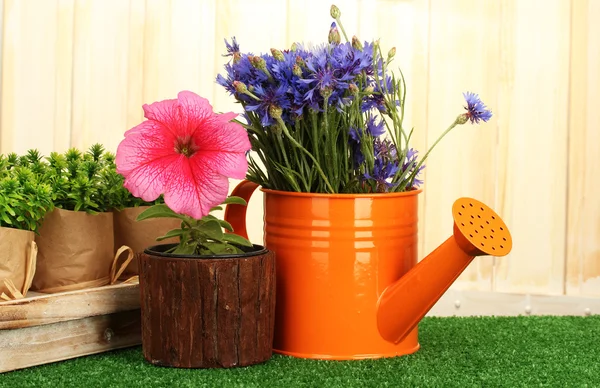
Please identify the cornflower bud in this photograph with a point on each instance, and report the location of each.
(392, 53)
(237, 57)
(356, 43)
(462, 119)
(240, 87)
(275, 111)
(369, 89)
(353, 88)
(260, 64)
(296, 70)
(294, 47)
(334, 34)
(335, 12)
(300, 62)
(278, 55)
(326, 92)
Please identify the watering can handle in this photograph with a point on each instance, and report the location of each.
(236, 214)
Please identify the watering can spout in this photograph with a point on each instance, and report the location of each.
(478, 231)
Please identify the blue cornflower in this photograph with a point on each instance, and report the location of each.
(386, 164)
(233, 49)
(374, 128)
(270, 97)
(410, 164)
(476, 110)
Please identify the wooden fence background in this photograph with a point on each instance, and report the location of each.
(75, 72)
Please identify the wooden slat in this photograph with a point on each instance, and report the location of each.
(178, 48)
(29, 65)
(1, 56)
(463, 164)
(64, 340)
(465, 303)
(583, 232)
(532, 107)
(100, 60)
(68, 306)
(63, 104)
(135, 65)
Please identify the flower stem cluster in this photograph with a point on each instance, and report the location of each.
(329, 118)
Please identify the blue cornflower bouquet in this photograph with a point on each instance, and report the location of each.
(329, 119)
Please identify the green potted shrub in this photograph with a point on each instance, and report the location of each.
(75, 241)
(208, 300)
(24, 201)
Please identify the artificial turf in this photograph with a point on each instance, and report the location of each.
(456, 352)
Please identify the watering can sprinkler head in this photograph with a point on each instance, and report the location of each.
(477, 231)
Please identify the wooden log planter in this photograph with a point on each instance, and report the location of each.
(207, 312)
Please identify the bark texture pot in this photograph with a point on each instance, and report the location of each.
(207, 311)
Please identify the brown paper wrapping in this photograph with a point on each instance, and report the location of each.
(139, 235)
(76, 251)
(15, 251)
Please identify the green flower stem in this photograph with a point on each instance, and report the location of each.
(339, 22)
(295, 143)
(414, 173)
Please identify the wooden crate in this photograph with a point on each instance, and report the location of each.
(44, 328)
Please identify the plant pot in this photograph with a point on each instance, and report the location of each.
(207, 311)
(17, 261)
(336, 254)
(138, 235)
(76, 250)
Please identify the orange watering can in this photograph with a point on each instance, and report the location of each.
(348, 282)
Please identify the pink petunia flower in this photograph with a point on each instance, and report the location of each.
(185, 151)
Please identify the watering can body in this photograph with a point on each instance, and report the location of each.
(346, 281)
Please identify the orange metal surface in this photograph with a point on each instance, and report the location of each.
(478, 231)
(348, 286)
(335, 255)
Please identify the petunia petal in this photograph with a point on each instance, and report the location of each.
(192, 189)
(225, 145)
(142, 157)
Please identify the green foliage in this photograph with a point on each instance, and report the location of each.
(205, 236)
(31, 185)
(88, 181)
(24, 199)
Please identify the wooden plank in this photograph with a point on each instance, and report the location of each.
(583, 229)
(463, 164)
(63, 102)
(68, 306)
(28, 75)
(135, 65)
(1, 56)
(100, 60)
(59, 341)
(178, 48)
(532, 173)
(466, 303)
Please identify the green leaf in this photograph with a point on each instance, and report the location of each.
(172, 233)
(235, 239)
(234, 200)
(226, 225)
(159, 211)
(216, 208)
(185, 249)
(212, 230)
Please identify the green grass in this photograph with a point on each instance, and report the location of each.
(465, 352)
